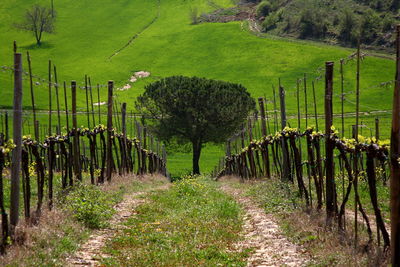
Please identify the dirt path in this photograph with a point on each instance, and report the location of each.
(90, 253)
(262, 233)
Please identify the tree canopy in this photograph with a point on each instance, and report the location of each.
(195, 110)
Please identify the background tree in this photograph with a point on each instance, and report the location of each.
(38, 19)
(195, 110)
(348, 26)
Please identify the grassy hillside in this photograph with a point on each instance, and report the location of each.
(89, 32)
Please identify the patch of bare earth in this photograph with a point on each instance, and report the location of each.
(262, 234)
(90, 253)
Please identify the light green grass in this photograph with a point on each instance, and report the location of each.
(192, 224)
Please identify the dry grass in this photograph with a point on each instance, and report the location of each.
(55, 235)
(327, 246)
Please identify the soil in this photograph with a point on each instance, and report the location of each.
(262, 235)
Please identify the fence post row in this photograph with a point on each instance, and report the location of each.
(366, 155)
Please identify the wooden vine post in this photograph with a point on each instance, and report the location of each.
(17, 136)
(109, 130)
(286, 175)
(76, 153)
(329, 146)
(356, 153)
(265, 154)
(124, 156)
(395, 164)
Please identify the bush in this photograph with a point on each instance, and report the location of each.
(90, 205)
(370, 26)
(313, 23)
(263, 9)
(270, 22)
(348, 27)
(387, 23)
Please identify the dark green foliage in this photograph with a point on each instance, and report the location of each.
(348, 26)
(264, 8)
(395, 5)
(196, 110)
(335, 21)
(312, 23)
(370, 27)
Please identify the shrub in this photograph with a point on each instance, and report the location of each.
(270, 22)
(387, 23)
(348, 26)
(370, 26)
(90, 205)
(263, 9)
(313, 23)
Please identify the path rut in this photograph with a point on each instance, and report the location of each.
(262, 234)
(90, 253)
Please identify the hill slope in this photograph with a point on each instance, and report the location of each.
(88, 33)
(166, 43)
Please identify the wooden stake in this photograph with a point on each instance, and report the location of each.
(66, 106)
(17, 136)
(305, 99)
(286, 174)
(275, 111)
(395, 165)
(109, 129)
(32, 93)
(49, 132)
(58, 101)
(124, 157)
(91, 102)
(330, 179)
(98, 101)
(356, 155)
(76, 156)
(87, 102)
(315, 107)
(342, 93)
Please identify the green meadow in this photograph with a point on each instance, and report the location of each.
(89, 32)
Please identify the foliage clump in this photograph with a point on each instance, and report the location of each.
(90, 205)
(338, 21)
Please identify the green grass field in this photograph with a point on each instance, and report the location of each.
(89, 32)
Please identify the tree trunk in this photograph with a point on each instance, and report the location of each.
(196, 156)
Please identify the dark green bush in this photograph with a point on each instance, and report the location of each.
(313, 23)
(348, 27)
(370, 27)
(264, 8)
(270, 22)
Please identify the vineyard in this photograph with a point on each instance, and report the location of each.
(97, 149)
(332, 162)
(311, 177)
